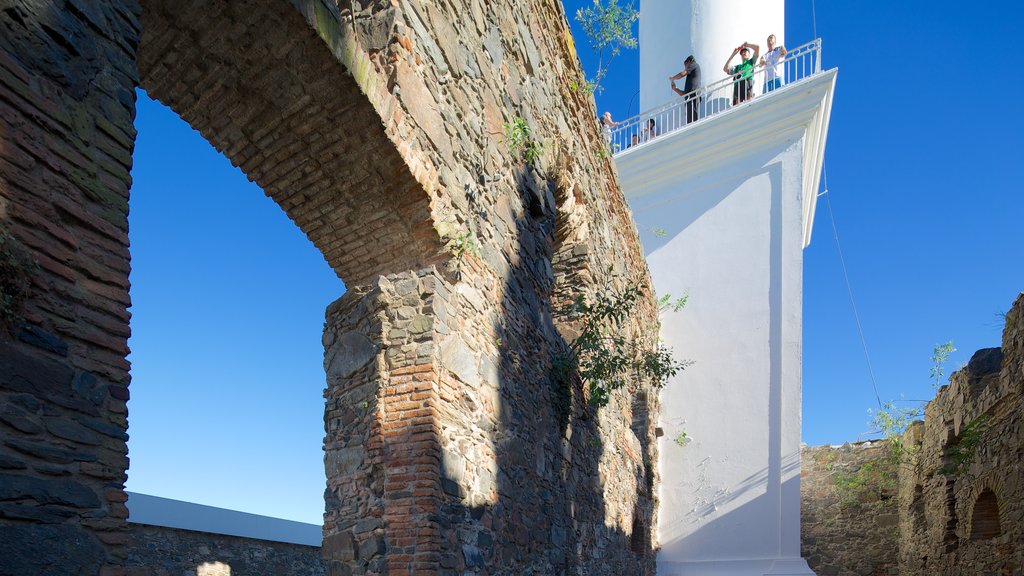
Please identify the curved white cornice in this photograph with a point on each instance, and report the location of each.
(799, 111)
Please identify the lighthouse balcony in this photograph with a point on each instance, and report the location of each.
(721, 97)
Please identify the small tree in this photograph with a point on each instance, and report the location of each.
(940, 355)
(609, 28)
(602, 356)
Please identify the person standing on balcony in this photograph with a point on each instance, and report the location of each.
(606, 130)
(770, 61)
(742, 73)
(691, 71)
(650, 132)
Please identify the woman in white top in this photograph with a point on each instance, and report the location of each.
(770, 61)
(606, 129)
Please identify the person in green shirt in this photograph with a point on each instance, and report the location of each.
(742, 73)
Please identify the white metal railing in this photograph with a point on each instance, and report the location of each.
(715, 98)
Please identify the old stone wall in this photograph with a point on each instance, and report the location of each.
(380, 128)
(172, 552)
(959, 493)
(848, 512)
(963, 505)
(67, 75)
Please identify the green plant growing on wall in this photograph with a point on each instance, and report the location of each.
(16, 270)
(961, 454)
(667, 304)
(462, 243)
(458, 243)
(870, 481)
(520, 142)
(602, 356)
(609, 29)
(940, 355)
(681, 439)
(586, 86)
(877, 480)
(891, 421)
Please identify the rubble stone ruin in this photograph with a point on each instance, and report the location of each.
(379, 127)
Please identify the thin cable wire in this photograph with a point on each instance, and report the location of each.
(849, 290)
(839, 249)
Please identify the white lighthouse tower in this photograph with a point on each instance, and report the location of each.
(725, 206)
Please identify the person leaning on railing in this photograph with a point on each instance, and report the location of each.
(770, 61)
(691, 71)
(742, 73)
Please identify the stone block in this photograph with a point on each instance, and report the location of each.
(339, 547)
(343, 462)
(49, 550)
(47, 491)
(350, 352)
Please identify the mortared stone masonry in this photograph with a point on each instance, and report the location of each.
(377, 126)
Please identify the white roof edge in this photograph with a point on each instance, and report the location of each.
(157, 511)
(814, 155)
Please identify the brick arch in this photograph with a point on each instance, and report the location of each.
(985, 522)
(258, 83)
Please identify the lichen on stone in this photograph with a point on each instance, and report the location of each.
(16, 270)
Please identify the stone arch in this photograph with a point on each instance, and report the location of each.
(265, 82)
(264, 89)
(985, 516)
(328, 147)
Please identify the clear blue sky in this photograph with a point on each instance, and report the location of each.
(925, 176)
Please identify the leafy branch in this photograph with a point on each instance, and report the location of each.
(667, 304)
(960, 455)
(461, 243)
(940, 355)
(602, 356)
(892, 422)
(609, 28)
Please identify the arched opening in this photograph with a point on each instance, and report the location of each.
(985, 517)
(260, 85)
(227, 363)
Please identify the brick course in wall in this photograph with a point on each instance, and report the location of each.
(378, 128)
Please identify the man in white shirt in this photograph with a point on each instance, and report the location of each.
(770, 61)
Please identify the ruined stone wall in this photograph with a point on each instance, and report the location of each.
(964, 506)
(379, 127)
(533, 480)
(959, 493)
(170, 552)
(848, 514)
(67, 76)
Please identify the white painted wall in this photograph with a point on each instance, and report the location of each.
(739, 258)
(735, 194)
(671, 30)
